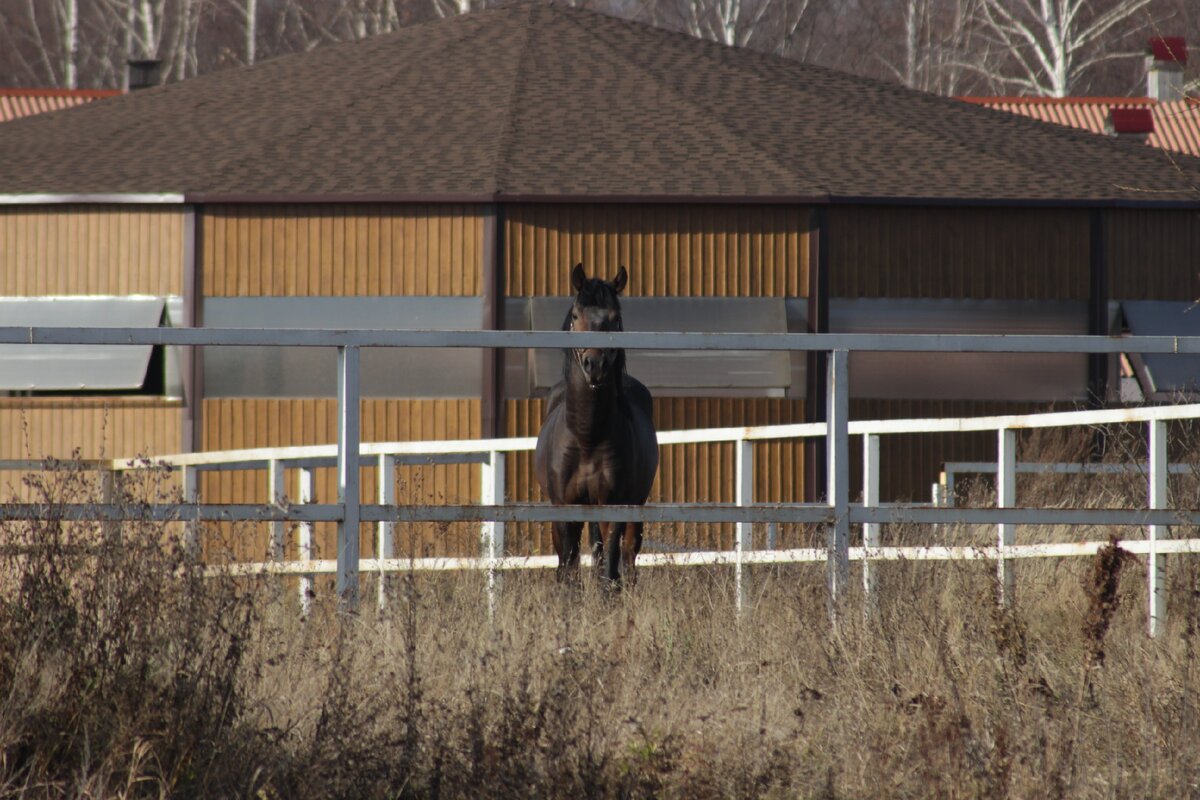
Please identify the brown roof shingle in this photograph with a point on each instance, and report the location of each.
(530, 100)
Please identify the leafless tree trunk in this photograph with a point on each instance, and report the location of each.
(1050, 44)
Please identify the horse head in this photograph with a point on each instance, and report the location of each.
(596, 308)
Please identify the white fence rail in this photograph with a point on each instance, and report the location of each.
(837, 514)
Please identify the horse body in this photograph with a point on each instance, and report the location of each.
(597, 444)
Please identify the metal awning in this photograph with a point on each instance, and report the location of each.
(674, 372)
(77, 367)
(1164, 377)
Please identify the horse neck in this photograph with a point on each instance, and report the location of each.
(589, 412)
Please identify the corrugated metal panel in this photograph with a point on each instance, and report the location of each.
(979, 253)
(51, 367)
(1176, 124)
(670, 250)
(94, 250)
(95, 427)
(686, 473)
(16, 103)
(1154, 254)
(341, 250)
(237, 423)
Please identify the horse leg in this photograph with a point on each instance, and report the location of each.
(630, 547)
(612, 547)
(597, 542)
(566, 545)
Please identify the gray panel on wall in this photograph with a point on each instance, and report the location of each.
(963, 376)
(311, 372)
(674, 373)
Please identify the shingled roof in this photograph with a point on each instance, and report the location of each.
(534, 101)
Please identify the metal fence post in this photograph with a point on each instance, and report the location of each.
(306, 494)
(870, 529)
(837, 447)
(385, 545)
(491, 533)
(348, 476)
(744, 495)
(275, 495)
(1006, 497)
(191, 527)
(1156, 562)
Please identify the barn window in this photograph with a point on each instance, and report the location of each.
(1038, 377)
(48, 370)
(312, 372)
(667, 372)
(1164, 377)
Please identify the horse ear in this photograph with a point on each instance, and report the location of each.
(618, 282)
(578, 277)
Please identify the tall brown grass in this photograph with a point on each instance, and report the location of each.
(124, 672)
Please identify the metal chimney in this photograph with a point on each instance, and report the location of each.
(1164, 68)
(142, 73)
(1133, 123)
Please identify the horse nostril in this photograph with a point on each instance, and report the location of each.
(588, 363)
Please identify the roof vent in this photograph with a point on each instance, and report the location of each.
(142, 73)
(1164, 68)
(1135, 123)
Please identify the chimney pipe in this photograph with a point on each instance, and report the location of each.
(142, 73)
(1164, 68)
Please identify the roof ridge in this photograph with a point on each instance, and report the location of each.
(785, 169)
(505, 137)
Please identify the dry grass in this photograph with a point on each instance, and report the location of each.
(123, 673)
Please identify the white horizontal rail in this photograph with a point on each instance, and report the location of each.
(876, 342)
(723, 557)
(797, 513)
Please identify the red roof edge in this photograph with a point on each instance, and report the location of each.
(82, 93)
(984, 100)
(1131, 120)
(1169, 49)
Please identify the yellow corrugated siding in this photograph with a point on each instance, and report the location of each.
(91, 249)
(670, 250)
(976, 253)
(1154, 254)
(243, 423)
(97, 428)
(341, 250)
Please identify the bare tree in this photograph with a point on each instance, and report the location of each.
(925, 43)
(1049, 45)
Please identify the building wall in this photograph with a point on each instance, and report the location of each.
(1154, 254)
(91, 249)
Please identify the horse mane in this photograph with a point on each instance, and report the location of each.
(597, 293)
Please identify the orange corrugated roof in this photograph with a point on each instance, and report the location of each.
(16, 103)
(1176, 124)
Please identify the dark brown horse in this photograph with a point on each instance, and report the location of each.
(597, 445)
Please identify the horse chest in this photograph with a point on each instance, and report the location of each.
(592, 478)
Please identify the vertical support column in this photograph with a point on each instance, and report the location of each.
(744, 475)
(385, 544)
(191, 527)
(275, 495)
(870, 529)
(348, 477)
(816, 361)
(110, 528)
(306, 494)
(491, 533)
(1006, 497)
(837, 446)
(1156, 562)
